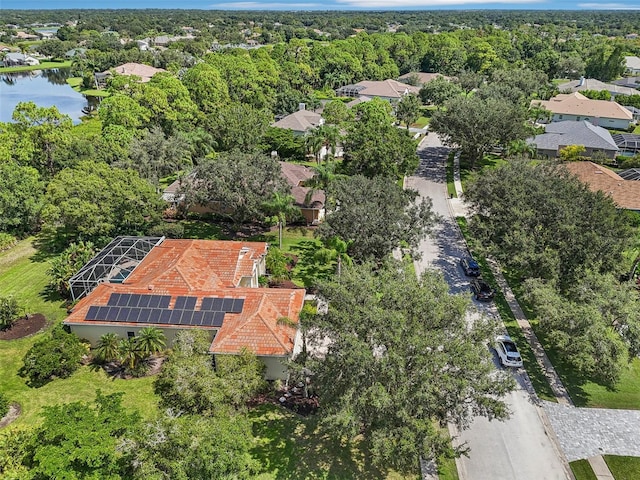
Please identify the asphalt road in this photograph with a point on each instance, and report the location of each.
(518, 448)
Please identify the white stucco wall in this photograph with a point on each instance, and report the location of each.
(276, 368)
(93, 332)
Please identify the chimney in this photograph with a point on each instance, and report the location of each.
(302, 106)
(581, 81)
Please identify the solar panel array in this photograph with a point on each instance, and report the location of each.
(136, 308)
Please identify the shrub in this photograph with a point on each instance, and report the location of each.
(4, 405)
(67, 265)
(56, 356)
(169, 230)
(10, 309)
(7, 241)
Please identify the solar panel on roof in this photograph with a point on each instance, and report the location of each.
(185, 303)
(103, 312)
(207, 318)
(92, 313)
(165, 316)
(175, 317)
(144, 301)
(113, 299)
(154, 301)
(164, 301)
(197, 317)
(133, 315)
(227, 304)
(145, 314)
(133, 300)
(112, 315)
(218, 318)
(238, 305)
(124, 299)
(187, 317)
(124, 313)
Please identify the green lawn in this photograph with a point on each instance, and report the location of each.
(535, 372)
(41, 66)
(623, 468)
(23, 274)
(421, 122)
(451, 188)
(582, 470)
(490, 160)
(76, 84)
(290, 446)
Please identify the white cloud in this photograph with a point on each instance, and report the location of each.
(609, 6)
(265, 6)
(391, 4)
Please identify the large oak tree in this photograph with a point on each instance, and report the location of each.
(400, 356)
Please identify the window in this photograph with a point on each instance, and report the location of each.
(577, 119)
(131, 334)
(559, 117)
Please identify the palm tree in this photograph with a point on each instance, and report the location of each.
(335, 249)
(314, 142)
(108, 347)
(281, 206)
(129, 353)
(151, 340)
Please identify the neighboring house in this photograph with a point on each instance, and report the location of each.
(629, 82)
(576, 107)
(562, 134)
(16, 59)
(422, 77)
(311, 205)
(76, 52)
(628, 143)
(597, 85)
(310, 202)
(630, 174)
(625, 193)
(390, 90)
(633, 64)
(145, 72)
(26, 36)
(301, 121)
(179, 285)
(635, 112)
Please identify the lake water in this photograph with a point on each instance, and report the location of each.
(46, 88)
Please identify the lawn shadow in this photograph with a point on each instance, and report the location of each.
(309, 269)
(292, 447)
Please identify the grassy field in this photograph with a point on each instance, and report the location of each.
(23, 274)
(490, 160)
(451, 188)
(582, 470)
(290, 446)
(41, 66)
(623, 468)
(76, 84)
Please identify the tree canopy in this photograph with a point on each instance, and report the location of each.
(401, 356)
(375, 216)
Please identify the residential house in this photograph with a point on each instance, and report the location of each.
(177, 285)
(597, 85)
(311, 202)
(26, 36)
(144, 72)
(301, 121)
(576, 107)
(15, 59)
(421, 77)
(625, 193)
(633, 64)
(390, 90)
(629, 82)
(562, 134)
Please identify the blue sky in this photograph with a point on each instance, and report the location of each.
(329, 4)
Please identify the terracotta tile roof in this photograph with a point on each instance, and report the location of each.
(206, 268)
(625, 193)
(577, 104)
(197, 264)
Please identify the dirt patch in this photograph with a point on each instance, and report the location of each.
(25, 326)
(13, 413)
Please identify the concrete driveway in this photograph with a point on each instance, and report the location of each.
(524, 446)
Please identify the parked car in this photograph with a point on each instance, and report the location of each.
(481, 290)
(507, 351)
(470, 267)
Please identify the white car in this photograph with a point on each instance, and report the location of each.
(507, 351)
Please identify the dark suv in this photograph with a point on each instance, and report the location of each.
(481, 290)
(470, 267)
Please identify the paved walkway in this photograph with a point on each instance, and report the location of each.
(586, 432)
